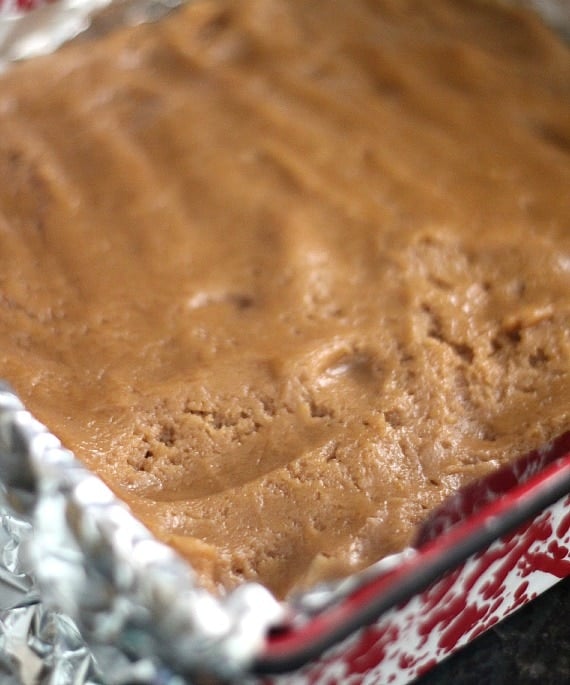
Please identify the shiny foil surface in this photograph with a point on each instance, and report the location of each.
(39, 32)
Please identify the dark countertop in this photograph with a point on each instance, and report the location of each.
(530, 647)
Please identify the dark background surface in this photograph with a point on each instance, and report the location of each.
(530, 647)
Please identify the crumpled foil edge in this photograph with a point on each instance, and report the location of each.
(30, 34)
(102, 575)
(26, 34)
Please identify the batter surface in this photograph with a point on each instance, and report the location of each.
(288, 273)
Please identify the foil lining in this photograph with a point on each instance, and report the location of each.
(102, 575)
(29, 34)
(26, 34)
(323, 595)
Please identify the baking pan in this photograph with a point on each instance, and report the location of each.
(487, 551)
(88, 596)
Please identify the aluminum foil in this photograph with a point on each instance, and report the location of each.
(26, 34)
(102, 575)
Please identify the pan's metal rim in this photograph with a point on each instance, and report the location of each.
(295, 647)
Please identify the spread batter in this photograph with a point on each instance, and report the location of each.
(286, 274)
